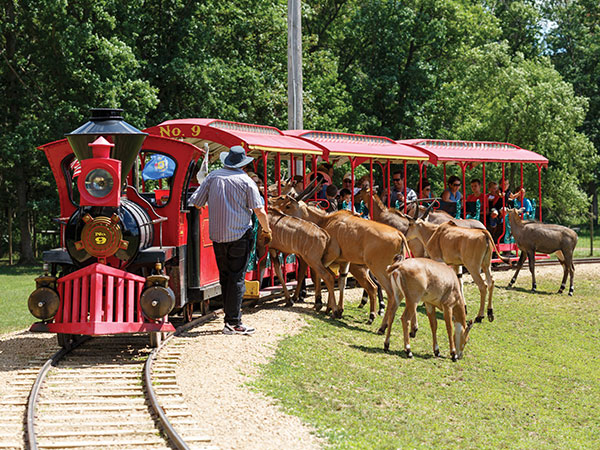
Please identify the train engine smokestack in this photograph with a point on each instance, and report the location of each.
(106, 225)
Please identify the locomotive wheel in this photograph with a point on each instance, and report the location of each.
(188, 312)
(156, 338)
(205, 307)
(65, 340)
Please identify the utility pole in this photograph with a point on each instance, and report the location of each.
(295, 121)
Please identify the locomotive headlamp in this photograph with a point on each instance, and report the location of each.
(43, 303)
(157, 299)
(99, 183)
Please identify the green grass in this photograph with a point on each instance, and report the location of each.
(16, 283)
(529, 380)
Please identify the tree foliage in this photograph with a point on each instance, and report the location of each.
(520, 71)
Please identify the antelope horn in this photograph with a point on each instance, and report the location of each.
(427, 211)
(310, 190)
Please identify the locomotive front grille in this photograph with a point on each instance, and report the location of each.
(100, 299)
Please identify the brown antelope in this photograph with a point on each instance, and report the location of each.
(458, 246)
(360, 241)
(532, 237)
(391, 217)
(313, 246)
(439, 217)
(310, 243)
(436, 284)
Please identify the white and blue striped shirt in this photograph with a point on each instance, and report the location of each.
(231, 196)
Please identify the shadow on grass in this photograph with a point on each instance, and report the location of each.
(381, 351)
(524, 290)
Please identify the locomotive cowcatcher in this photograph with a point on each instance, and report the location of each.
(127, 258)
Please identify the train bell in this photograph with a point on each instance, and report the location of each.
(43, 303)
(157, 299)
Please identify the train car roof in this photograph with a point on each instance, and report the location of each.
(220, 135)
(476, 151)
(362, 146)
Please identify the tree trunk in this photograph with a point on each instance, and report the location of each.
(10, 236)
(23, 213)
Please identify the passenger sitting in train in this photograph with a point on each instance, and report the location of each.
(529, 210)
(452, 196)
(331, 192)
(426, 192)
(345, 200)
(471, 207)
(397, 191)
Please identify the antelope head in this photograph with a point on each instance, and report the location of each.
(290, 206)
(461, 336)
(363, 194)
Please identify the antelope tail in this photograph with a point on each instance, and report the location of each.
(405, 249)
(491, 240)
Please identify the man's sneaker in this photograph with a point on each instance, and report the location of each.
(238, 329)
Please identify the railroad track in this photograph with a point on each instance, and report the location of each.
(112, 392)
(546, 262)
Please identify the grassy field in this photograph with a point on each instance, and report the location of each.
(529, 380)
(16, 283)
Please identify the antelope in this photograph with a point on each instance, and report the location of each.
(360, 241)
(391, 217)
(310, 243)
(313, 247)
(436, 284)
(439, 217)
(532, 237)
(458, 246)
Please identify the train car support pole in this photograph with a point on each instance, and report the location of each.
(371, 188)
(485, 196)
(388, 184)
(464, 196)
(405, 199)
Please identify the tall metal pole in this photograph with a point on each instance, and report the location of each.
(295, 121)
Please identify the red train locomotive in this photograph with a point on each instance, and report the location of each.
(127, 259)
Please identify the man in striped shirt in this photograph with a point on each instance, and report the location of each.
(232, 197)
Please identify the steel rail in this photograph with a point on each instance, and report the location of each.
(31, 440)
(168, 428)
(547, 262)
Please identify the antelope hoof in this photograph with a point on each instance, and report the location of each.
(413, 333)
(289, 302)
(436, 352)
(386, 346)
(371, 318)
(454, 357)
(533, 290)
(318, 305)
(571, 292)
(328, 310)
(560, 291)
(408, 353)
(381, 312)
(478, 319)
(381, 329)
(299, 300)
(490, 314)
(338, 314)
(363, 302)
(511, 283)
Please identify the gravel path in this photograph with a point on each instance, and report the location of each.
(217, 368)
(214, 379)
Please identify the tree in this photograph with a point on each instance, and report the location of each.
(60, 59)
(492, 95)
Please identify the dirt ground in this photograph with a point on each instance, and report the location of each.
(215, 372)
